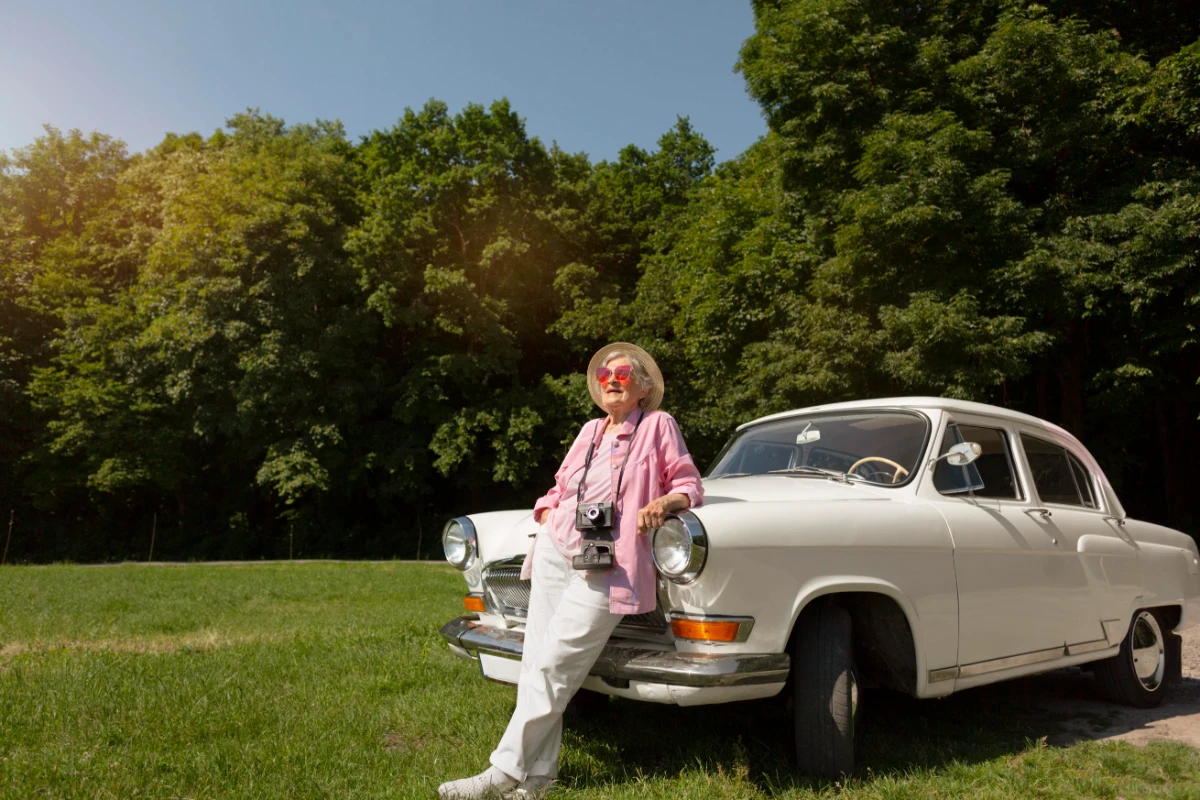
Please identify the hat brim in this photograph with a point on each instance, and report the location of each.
(605, 354)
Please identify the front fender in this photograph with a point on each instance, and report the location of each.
(500, 534)
(770, 559)
(826, 585)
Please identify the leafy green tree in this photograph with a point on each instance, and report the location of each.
(457, 248)
(231, 360)
(272, 330)
(985, 200)
(631, 206)
(50, 193)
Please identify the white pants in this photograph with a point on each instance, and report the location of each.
(567, 627)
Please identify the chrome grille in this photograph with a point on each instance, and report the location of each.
(655, 619)
(505, 590)
(509, 595)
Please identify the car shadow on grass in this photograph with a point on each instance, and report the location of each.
(627, 740)
(1072, 694)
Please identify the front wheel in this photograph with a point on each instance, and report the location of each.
(1148, 664)
(825, 693)
(585, 704)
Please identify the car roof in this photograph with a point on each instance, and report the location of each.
(940, 403)
(1055, 432)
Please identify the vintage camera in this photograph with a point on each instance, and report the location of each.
(590, 516)
(594, 521)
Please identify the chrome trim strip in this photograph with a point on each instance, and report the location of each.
(1024, 659)
(745, 625)
(622, 662)
(1087, 647)
(997, 664)
(945, 674)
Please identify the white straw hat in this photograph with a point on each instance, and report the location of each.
(605, 354)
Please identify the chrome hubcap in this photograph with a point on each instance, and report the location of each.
(1149, 655)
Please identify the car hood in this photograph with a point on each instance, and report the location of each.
(785, 488)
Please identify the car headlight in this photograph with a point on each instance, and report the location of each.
(459, 542)
(680, 548)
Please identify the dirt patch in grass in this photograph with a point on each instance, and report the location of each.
(198, 640)
(1073, 694)
(402, 742)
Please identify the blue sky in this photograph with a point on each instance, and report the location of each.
(594, 76)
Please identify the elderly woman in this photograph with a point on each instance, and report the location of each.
(635, 459)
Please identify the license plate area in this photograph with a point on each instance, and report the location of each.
(502, 670)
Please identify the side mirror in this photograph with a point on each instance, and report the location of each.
(961, 454)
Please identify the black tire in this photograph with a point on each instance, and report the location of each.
(1136, 676)
(824, 693)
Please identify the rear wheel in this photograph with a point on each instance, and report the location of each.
(1147, 666)
(825, 693)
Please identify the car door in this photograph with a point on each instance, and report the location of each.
(1017, 582)
(1074, 513)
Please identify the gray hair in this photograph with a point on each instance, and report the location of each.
(640, 373)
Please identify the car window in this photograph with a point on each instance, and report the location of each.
(827, 459)
(1058, 475)
(764, 457)
(880, 446)
(1082, 481)
(990, 475)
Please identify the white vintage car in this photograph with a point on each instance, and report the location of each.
(919, 544)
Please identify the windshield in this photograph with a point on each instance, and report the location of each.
(881, 447)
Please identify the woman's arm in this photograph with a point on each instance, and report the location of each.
(655, 512)
(679, 481)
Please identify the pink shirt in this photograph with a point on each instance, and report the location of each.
(600, 487)
(659, 464)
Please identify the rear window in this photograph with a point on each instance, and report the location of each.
(1058, 475)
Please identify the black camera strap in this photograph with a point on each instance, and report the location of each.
(587, 464)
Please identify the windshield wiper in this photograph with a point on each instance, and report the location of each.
(730, 475)
(844, 477)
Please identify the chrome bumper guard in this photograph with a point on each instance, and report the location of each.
(619, 662)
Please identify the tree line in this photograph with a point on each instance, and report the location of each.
(276, 340)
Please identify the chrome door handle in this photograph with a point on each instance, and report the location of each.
(1045, 512)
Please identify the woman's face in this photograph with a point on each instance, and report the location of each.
(621, 398)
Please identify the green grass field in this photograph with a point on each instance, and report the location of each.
(329, 680)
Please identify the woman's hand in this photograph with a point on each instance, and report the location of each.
(655, 512)
(545, 515)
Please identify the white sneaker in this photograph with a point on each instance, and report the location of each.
(486, 785)
(534, 787)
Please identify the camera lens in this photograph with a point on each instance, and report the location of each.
(593, 513)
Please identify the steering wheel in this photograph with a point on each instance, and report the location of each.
(899, 473)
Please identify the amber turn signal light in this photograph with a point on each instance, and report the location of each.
(716, 630)
(474, 602)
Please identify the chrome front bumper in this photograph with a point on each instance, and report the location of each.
(621, 662)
